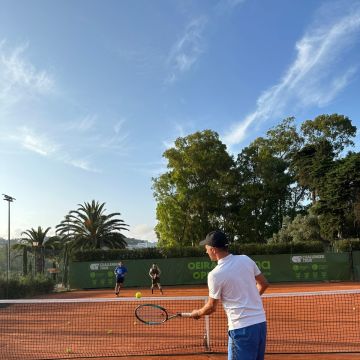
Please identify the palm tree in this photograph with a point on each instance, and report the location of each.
(35, 239)
(89, 227)
(24, 247)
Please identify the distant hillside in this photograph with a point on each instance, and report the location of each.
(132, 243)
(136, 243)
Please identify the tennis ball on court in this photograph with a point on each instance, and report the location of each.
(109, 331)
(69, 350)
(138, 295)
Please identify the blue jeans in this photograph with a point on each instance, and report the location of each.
(247, 343)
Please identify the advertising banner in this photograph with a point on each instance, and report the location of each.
(192, 271)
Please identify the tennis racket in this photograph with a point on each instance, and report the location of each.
(152, 314)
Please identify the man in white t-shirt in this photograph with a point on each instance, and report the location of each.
(239, 284)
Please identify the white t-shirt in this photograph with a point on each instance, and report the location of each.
(233, 282)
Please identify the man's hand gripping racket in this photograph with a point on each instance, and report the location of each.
(152, 314)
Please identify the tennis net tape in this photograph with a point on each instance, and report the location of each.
(311, 322)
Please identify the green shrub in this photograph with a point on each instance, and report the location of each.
(25, 287)
(346, 245)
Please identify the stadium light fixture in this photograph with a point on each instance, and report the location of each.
(9, 199)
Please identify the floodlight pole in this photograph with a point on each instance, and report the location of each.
(9, 199)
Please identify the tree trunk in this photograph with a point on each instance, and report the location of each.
(25, 261)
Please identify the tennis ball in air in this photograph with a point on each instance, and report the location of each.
(109, 331)
(138, 295)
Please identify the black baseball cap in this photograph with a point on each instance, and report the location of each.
(216, 239)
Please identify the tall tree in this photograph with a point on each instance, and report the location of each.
(340, 199)
(335, 129)
(284, 140)
(192, 195)
(311, 164)
(264, 191)
(89, 227)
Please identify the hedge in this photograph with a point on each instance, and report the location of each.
(25, 287)
(198, 251)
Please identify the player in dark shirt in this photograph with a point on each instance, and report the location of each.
(155, 273)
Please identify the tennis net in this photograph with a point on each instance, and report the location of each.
(311, 322)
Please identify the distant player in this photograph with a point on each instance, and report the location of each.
(120, 272)
(154, 274)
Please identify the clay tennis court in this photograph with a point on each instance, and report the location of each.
(171, 330)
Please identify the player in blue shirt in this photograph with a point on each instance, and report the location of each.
(120, 272)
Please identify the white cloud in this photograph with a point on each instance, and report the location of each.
(187, 50)
(119, 125)
(65, 141)
(315, 77)
(41, 144)
(86, 123)
(20, 78)
(38, 143)
(81, 164)
(118, 138)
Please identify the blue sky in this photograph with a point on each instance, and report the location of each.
(93, 92)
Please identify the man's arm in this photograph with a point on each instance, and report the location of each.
(207, 309)
(261, 283)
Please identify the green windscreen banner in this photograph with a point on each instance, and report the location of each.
(192, 271)
(356, 264)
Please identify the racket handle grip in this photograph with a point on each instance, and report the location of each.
(185, 314)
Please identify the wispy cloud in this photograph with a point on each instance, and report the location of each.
(79, 163)
(42, 144)
(187, 49)
(20, 80)
(180, 131)
(38, 143)
(226, 5)
(117, 139)
(84, 124)
(314, 78)
(18, 77)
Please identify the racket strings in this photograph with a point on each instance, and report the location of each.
(151, 314)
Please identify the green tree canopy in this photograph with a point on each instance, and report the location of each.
(193, 193)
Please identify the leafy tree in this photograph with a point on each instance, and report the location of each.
(284, 139)
(336, 129)
(302, 228)
(89, 227)
(311, 164)
(192, 195)
(264, 185)
(324, 138)
(339, 201)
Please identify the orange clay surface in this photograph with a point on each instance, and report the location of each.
(202, 290)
